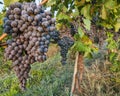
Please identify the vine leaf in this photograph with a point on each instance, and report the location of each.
(117, 26)
(103, 13)
(85, 11)
(81, 47)
(110, 4)
(75, 12)
(63, 16)
(51, 2)
(87, 23)
(80, 3)
(80, 32)
(86, 40)
(8, 2)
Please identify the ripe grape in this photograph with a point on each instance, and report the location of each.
(65, 43)
(27, 22)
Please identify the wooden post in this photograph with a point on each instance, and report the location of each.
(78, 73)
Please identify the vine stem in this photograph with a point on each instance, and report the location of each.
(43, 2)
(3, 36)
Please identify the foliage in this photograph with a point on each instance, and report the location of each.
(105, 13)
(7, 2)
(114, 54)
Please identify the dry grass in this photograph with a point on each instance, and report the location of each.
(99, 81)
(53, 49)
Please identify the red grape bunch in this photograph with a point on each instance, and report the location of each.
(31, 28)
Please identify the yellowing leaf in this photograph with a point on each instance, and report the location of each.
(87, 24)
(110, 4)
(85, 11)
(86, 40)
(117, 26)
(58, 26)
(80, 3)
(8, 2)
(1, 22)
(94, 48)
(103, 13)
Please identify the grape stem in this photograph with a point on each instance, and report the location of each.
(43, 2)
(3, 44)
(3, 36)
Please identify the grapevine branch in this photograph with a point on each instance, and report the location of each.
(3, 36)
(43, 2)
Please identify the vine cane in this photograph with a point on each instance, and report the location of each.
(43, 2)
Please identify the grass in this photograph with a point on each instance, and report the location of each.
(52, 79)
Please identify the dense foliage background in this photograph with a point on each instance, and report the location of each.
(98, 37)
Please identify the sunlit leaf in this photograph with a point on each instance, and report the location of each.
(63, 8)
(103, 13)
(51, 2)
(80, 3)
(85, 11)
(87, 23)
(80, 32)
(117, 26)
(75, 12)
(58, 26)
(110, 4)
(1, 17)
(86, 40)
(63, 16)
(87, 0)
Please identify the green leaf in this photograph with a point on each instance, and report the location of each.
(117, 26)
(75, 13)
(85, 11)
(112, 56)
(88, 0)
(103, 13)
(76, 36)
(8, 2)
(87, 23)
(80, 32)
(110, 4)
(51, 2)
(63, 16)
(80, 3)
(79, 46)
(62, 7)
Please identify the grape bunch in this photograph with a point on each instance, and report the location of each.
(73, 30)
(31, 28)
(65, 43)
